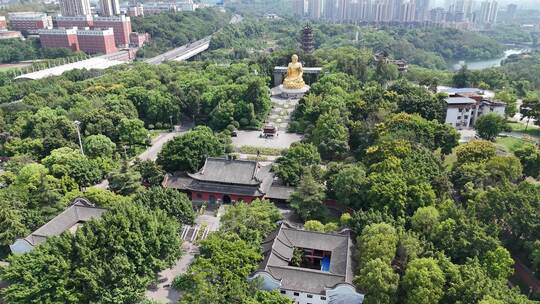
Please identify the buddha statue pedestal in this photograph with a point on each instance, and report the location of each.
(293, 93)
(294, 86)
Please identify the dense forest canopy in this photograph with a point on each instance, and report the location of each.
(434, 220)
(170, 30)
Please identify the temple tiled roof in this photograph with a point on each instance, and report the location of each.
(227, 176)
(278, 251)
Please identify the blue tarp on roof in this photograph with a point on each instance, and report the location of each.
(325, 264)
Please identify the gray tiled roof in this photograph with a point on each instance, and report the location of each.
(81, 210)
(219, 175)
(278, 252)
(280, 192)
(222, 170)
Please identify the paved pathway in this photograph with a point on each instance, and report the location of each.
(280, 115)
(164, 293)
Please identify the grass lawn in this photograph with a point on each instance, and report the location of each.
(511, 144)
(532, 130)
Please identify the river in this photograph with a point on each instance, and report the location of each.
(484, 64)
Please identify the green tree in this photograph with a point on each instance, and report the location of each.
(425, 220)
(99, 146)
(11, 226)
(530, 108)
(423, 282)
(377, 241)
(132, 132)
(378, 281)
(292, 165)
(490, 125)
(189, 151)
(463, 78)
(475, 151)
(529, 156)
(70, 162)
(498, 263)
(151, 172)
(108, 260)
(219, 273)
(253, 221)
(314, 225)
(331, 136)
(349, 183)
(125, 181)
(308, 198)
(176, 204)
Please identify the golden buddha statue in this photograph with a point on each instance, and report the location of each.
(294, 74)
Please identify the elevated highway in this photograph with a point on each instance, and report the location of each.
(182, 53)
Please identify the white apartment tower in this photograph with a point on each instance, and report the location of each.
(315, 9)
(299, 8)
(488, 12)
(75, 7)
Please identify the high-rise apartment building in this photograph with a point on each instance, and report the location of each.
(422, 10)
(110, 8)
(330, 7)
(488, 12)
(315, 9)
(408, 11)
(299, 8)
(75, 7)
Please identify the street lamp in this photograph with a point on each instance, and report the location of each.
(78, 125)
(170, 119)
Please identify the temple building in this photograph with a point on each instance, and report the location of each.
(80, 212)
(309, 267)
(226, 180)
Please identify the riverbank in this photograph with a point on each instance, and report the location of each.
(485, 64)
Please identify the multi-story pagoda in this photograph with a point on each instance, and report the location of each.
(307, 39)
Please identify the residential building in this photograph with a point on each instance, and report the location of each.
(10, 35)
(75, 7)
(59, 38)
(96, 41)
(299, 8)
(315, 9)
(110, 7)
(329, 9)
(74, 21)
(225, 180)
(138, 39)
(466, 105)
(408, 11)
(121, 26)
(158, 8)
(323, 275)
(136, 10)
(80, 212)
(3, 23)
(29, 21)
(422, 10)
(488, 13)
